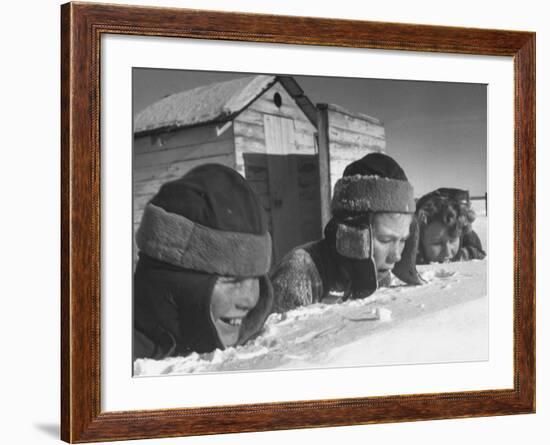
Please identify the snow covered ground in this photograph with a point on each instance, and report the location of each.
(444, 320)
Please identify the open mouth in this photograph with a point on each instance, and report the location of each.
(232, 321)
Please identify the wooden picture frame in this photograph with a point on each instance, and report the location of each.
(82, 26)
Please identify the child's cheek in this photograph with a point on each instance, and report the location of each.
(434, 252)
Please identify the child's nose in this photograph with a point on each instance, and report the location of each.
(446, 251)
(394, 254)
(247, 294)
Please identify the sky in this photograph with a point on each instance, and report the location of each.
(437, 131)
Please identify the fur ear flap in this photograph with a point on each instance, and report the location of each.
(352, 242)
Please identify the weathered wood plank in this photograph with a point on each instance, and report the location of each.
(253, 116)
(348, 122)
(255, 167)
(311, 231)
(279, 135)
(353, 138)
(142, 144)
(184, 153)
(308, 194)
(304, 139)
(350, 151)
(283, 179)
(177, 169)
(253, 130)
(182, 137)
(259, 187)
(255, 174)
(324, 164)
(249, 145)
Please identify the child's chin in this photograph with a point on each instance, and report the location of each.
(227, 337)
(228, 343)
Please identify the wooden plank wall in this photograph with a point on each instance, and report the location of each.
(251, 155)
(249, 125)
(350, 137)
(167, 156)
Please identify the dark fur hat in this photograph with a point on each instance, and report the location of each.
(374, 183)
(210, 221)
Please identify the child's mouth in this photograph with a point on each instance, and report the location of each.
(232, 321)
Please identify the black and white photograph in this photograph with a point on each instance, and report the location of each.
(285, 221)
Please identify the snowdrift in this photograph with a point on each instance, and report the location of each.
(444, 320)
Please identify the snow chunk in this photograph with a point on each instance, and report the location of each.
(384, 314)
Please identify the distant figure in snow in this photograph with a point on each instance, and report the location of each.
(445, 219)
(204, 253)
(371, 233)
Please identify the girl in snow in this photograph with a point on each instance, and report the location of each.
(445, 217)
(204, 253)
(371, 233)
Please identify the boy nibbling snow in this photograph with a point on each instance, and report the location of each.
(204, 253)
(371, 233)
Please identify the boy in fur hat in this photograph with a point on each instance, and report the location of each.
(371, 233)
(204, 253)
(445, 218)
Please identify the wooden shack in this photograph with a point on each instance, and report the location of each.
(291, 152)
(262, 126)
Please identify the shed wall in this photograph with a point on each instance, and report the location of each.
(350, 137)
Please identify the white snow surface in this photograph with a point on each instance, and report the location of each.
(444, 320)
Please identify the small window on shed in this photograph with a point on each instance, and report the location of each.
(278, 100)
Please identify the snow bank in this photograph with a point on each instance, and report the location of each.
(444, 320)
(441, 321)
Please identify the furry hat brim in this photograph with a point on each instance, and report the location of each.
(179, 241)
(360, 193)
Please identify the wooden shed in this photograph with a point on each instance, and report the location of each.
(289, 150)
(262, 126)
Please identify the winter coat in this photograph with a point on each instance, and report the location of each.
(315, 272)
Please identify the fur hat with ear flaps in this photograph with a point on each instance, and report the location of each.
(208, 223)
(372, 184)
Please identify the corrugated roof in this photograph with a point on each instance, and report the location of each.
(215, 102)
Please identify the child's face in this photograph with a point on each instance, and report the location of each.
(390, 231)
(232, 299)
(438, 244)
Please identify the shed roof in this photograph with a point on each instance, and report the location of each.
(217, 102)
